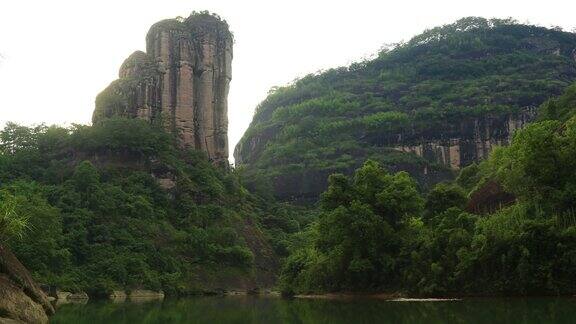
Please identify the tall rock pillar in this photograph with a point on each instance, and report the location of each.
(182, 83)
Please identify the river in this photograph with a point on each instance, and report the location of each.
(247, 309)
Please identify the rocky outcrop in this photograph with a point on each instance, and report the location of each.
(458, 145)
(181, 82)
(249, 150)
(79, 296)
(489, 198)
(21, 299)
(445, 145)
(146, 294)
(451, 144)
(304, 187)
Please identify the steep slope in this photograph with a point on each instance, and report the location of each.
(430, 106)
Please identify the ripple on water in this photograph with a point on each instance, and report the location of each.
(424, 299)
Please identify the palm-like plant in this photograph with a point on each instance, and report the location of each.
(12, 222)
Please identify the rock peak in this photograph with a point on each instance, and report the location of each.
(181, 82)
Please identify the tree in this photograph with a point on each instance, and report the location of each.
(444, 196)
(86, 177)
(41, 248)
(358, 232)
(360, 246)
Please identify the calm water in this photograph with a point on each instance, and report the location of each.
(276, 310)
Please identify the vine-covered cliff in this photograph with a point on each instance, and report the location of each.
(181, 82)
(430, 106)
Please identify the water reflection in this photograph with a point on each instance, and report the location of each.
(246, 309)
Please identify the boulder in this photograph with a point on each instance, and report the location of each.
(21, 299)
(118, 296)
(78, 296)
(489, 198)
(63, 295)
(146, 294)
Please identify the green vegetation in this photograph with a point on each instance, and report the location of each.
(98, 218)
(334, 120)
(376, 233)
(560, 108)
(12, 223)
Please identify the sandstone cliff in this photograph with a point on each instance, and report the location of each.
(21, 300)
(453, 145)
(458, 145)
(442, 150)
(181, 82)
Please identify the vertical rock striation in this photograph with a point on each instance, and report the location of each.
(446, 147)
(181, 82)
(457, 146)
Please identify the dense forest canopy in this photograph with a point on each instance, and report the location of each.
(336, 119)
(118, 206)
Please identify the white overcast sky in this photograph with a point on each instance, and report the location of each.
(57, 55)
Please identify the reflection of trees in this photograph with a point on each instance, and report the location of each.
(241, 309)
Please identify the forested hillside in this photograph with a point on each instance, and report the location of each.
(376, 232)
(429, 106)
(119, 206)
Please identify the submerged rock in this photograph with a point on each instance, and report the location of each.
(78, 296)
(146, 294)
(62, 295)
(118, 295)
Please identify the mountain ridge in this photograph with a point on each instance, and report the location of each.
(446, 97)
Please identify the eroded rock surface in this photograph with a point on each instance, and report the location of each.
(458, 145)
(181, 82)
(452, 146)
(21, 299)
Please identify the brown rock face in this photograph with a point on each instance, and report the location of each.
(457, 146)
(489, 198)
(181, 82)
(450, 145)
(21, 300)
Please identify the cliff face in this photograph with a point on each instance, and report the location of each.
(442, 151)
(453, 145)
(459, 145)
(181, 82)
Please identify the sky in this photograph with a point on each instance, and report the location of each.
(56, 56)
